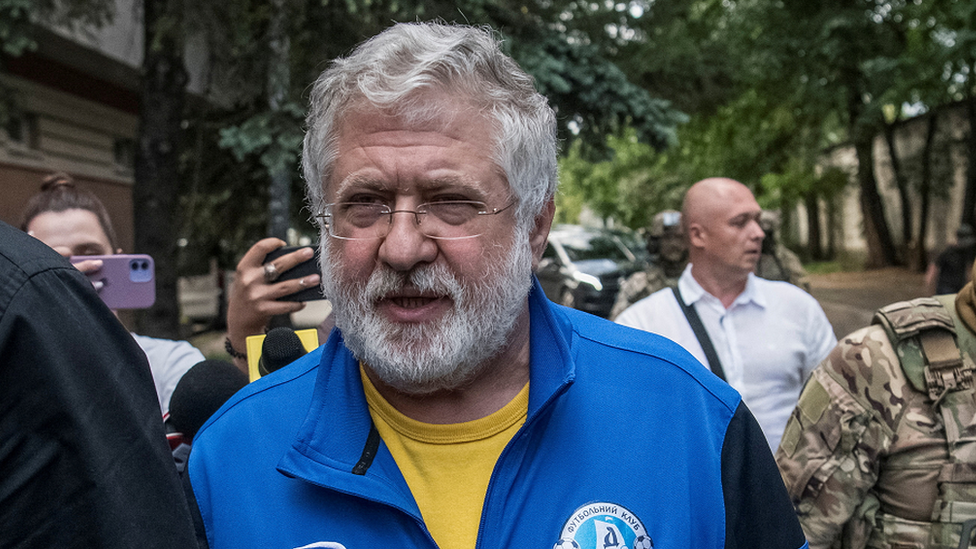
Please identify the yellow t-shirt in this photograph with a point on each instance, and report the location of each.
(447, 466)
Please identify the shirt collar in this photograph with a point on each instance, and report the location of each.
(752, 294)
(691, 290)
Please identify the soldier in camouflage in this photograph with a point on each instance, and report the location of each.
(669, 252)
(778, 262)
(880, 451)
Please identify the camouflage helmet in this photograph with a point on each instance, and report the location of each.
(667, 221)
(769, 221)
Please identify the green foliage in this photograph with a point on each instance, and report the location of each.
(17, 18)
(630, 187)
(687, 52)
(569, 47)
(593, 97)
(223, 197)
(17, 26)
(275, 137)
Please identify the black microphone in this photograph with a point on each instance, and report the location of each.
(201, 391)
(281, 347)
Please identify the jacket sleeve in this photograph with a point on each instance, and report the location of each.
(84, 455)
(758, 512)
(832, 443)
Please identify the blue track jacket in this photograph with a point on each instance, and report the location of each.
(629, 443)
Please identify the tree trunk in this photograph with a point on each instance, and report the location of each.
(920, 260)
(813, 226)
(881, 249)
(156, 187)
(279, 80)
(969, 199)
(904, 195)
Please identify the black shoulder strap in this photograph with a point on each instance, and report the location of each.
(701, 334)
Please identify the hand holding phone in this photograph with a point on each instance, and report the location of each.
(124, 281)
(303, 269)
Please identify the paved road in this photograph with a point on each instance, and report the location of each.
(850, 299)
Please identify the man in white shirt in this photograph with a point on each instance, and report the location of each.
(768, 336)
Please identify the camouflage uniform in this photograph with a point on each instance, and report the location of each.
(782, 264)
(878, 455)
(640, 285)
(667, 245)
(777, 262)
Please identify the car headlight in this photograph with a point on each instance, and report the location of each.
(584, 278)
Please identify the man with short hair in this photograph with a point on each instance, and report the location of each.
(454, 406)
(766, 336)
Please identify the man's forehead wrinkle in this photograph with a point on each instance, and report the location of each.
(402, 137)
(400, 185)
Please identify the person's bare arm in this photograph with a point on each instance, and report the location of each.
(253, 301)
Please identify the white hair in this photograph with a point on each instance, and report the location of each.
(391, 73)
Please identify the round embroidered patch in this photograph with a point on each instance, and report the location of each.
(603, 525)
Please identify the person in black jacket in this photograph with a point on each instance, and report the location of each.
(83, 456)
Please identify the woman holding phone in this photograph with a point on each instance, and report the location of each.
(74, 222)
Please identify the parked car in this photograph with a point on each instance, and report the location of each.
(636, 243)
(583, 268)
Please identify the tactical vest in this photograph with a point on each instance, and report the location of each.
(936, 351)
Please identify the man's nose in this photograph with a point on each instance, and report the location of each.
(758, 232)
(405, 246)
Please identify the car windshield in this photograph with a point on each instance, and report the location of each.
(633, 244)
(584, 246)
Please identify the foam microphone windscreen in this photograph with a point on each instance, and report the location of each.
(201, 391)
(281, 347)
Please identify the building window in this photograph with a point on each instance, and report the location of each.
(124, 152)
(22, 129)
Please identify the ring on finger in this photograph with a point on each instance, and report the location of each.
(270, 273)
(301, 282)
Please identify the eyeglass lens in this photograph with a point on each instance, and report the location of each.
(444, 220)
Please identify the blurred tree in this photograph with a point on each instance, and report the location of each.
(568, 46)
(18, 23)
(833, 56)
(685, 51)
(159, 143)
(943, 41)
(630, 187)
(18, 19)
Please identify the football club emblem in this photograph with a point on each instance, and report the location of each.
(603, 525)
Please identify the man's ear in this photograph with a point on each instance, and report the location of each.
(696, 235)
(540, 233)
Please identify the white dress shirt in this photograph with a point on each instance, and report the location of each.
(769, 340)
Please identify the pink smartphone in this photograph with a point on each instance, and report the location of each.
(125, 281)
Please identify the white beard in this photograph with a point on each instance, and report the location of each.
(443, 355)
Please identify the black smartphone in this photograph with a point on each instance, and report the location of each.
(303, 269)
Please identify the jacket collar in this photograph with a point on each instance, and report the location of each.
(337, 426)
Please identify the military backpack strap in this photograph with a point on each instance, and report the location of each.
(904, 321)
(957, 479)
(936, 350)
